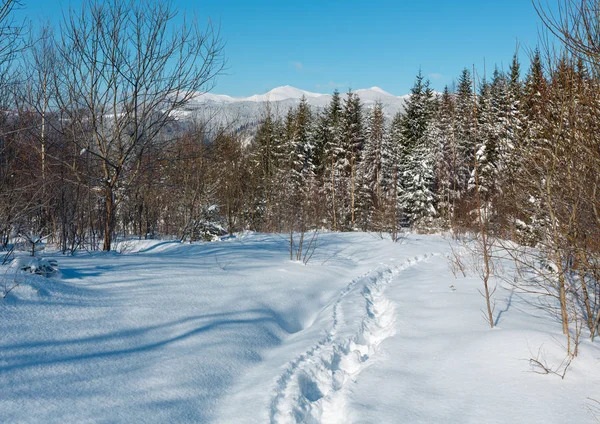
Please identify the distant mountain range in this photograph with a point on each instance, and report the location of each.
(244, 113)
(287, 92)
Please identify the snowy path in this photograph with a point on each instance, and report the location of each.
(311, 390)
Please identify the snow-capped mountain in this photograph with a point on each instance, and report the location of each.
(287, 92)
(284, 93)
(374, 94)
(221, 110)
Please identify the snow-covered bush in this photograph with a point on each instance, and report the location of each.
(40, 266)
(209, 231)
(208, 226)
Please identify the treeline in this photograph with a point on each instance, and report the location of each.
(439, 164)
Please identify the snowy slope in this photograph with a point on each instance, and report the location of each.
(283, 93)
(376, 94)
(234, 332)
(447, 367)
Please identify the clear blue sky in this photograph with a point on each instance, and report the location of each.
(321, 45)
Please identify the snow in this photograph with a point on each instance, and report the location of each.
(373, 94)
(277, 94)
(282, 93)
(210, 97)
(369, 331)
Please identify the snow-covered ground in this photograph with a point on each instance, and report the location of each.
(369, 331)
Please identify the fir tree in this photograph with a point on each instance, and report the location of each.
(298, 176)
(534, 92)
(490, 111)
(267, 156)
(419, 111)
(443, 141)
(464, 132)
(301, 149)
(418, 197)
(393, 151)
(331, 163)
(370, 182)
(418, 158)
(353, 139)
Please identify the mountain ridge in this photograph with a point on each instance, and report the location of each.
(288, 92)
(244, 113)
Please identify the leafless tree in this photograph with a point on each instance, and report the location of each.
(127, 75)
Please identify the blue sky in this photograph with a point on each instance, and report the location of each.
(322, 45)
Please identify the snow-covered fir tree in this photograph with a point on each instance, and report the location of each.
(392, 153)
(353, 140)
(329, 136)
(418, 197)
(267, 157)
(464, 132)
(302, 170)
(484, 174)
(370, 193)
(441, 133)
(418, 161)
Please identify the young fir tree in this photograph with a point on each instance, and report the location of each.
(513, 133)
(353, 139)
(514, 125)
(515, 84)
(418, 197)
(393, 152)
(267, 156)
(505, 102)
(488, 134)
(330, 138)
(298, 177)
(533, 99)
(418, 163)
(528, 217)
(370, 195)
(442, 136)
(464, 133)
(302, 166)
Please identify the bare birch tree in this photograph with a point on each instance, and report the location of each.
(128, 72)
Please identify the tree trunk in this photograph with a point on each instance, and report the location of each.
(333, 211)
(108, 218)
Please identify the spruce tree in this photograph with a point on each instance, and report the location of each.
(489, 131)
(393, 151)
(443, 140)
(353, 139)
(266, 157)
(464, 132)
(301, 155)
(529, 218)
(330, 138)
(418, 158)
(370, 183)
(534, 93)
(418, 197)
(298, 175)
